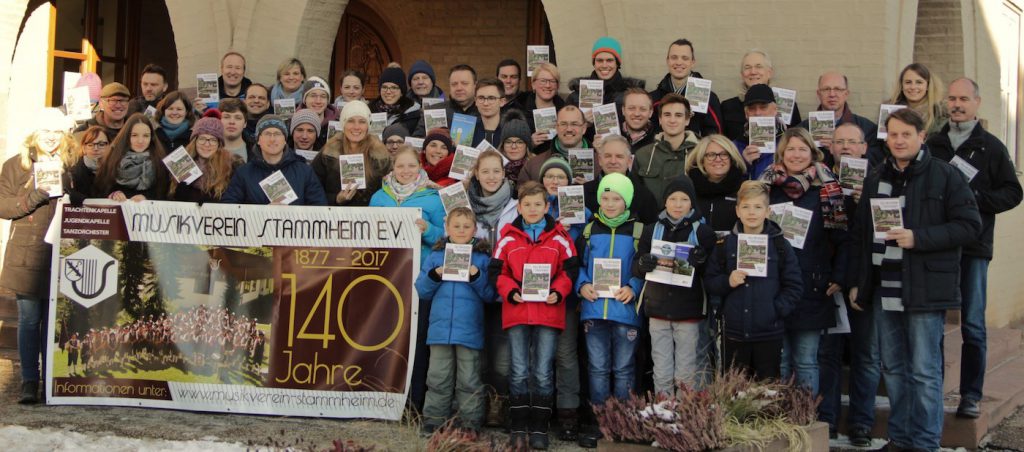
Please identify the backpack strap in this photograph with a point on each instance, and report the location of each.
(638, 230)
(659, 230)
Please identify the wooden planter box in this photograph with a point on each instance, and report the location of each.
(818, 432)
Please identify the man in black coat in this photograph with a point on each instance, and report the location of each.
(987, 166)
(680, 61)
(613, 156)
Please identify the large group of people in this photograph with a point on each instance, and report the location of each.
(672, 175)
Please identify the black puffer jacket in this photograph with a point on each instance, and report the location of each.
(666, 301)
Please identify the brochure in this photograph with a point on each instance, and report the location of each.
(571, 208)
(607, 277)
(752, 254)
(969, 170)
(47, 175)
(77, 103)
(309, 155)
(457, 259)
(886, 215)
(673, 267)
(207, 88)
(545, 119)
(582, 163)
(487, 146)
(698, 92)
(821, 124)
(429, 102)
(536, 55)
(842, 315)
(462, 129)
(795, 223)
(352, 168)
(606, 120)
(778, 211)
(284, 107)
(785, 100)
(453, 196)
(378, 121)
(435, 119)
(462, 163)
(852, 172)
(150, 111)
(884, 111)
(536, 282)
(333, 127)
(591, 94)
(277, 189)
(762, 133)
(182, 167)
(414, 142)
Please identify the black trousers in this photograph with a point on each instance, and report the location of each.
(760, 359)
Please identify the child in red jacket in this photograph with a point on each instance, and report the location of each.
(531, 244)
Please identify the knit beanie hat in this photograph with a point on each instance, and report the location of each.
(395, 129)
(305, 116)
(441, 135)
(684, 184)
(618, 183)
(556, 162)
(422, 67)
(208, 125)
(315, 83)
(91, 80)
(394, 75)
(515, 126)
(355, 108)
(607, 44)
(271, 121)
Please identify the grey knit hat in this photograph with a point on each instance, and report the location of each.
(305, 116)
(516, 127)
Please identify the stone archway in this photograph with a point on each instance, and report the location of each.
(364, 42)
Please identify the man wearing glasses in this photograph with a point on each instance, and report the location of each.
(489, 100)
(461, 96)
(833, 91)
(569, 128)
(112, 109)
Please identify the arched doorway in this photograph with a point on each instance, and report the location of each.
(364, 42)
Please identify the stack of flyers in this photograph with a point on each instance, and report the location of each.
(821, 125)
(752, 254)
(77, 103)
(785, 100)
(429, 102)
(307, 154)
(352, 169)
(182, 167)
(606, 120)
(414, 142)
(591, 94)
(536, 55)
(435, 119)
(886, 215)
(457, 259)
(277, 189)
(571, 208)
(698, 92)
(778, 211)
(47, 174)
(453, 196)
(378, 122)
(536, 282)
(207, 88)
(333, 127)
(762, 133)
(284, 107)
(462, 163)
(795, 223)
(884, 111)
(852, 172)
(462, 129)
(545, 119)
(673, 267)
(607, 277)
(582, 163)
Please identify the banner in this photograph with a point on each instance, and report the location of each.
(284, 310)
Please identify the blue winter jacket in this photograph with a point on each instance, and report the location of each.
(432, 212)
(604, 243)
(244, 187)
(755, 310)
(457, 308)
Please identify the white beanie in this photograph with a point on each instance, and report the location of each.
(355, 108)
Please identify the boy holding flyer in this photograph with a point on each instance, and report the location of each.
(531, 242)
(671, 257)
(608, 291)
(754, 307)
(455, 333)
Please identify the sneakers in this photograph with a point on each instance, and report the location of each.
(968, 409)
(860, 436)
(29, 393)
(496, 410)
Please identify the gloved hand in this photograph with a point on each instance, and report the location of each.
(698, 255)
(647, 263)
(38, 198)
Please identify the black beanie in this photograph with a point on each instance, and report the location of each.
(394, 75)
(684, 184)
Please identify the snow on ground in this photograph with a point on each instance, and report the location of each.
(48, 439)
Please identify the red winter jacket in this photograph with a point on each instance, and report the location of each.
(513, 251)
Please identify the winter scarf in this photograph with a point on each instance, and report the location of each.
(173, 131)
(615, 221)
(488, 208)
(401, 192)
(833, 209)
(136, 171)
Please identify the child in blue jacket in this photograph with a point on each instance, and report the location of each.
(455, 333)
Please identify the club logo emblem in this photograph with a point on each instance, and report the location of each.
(89, 276)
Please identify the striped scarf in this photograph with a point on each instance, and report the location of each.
(886, 256)
(833, 207)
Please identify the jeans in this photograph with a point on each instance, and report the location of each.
(532, 352)
(567, 362)
(674, 352)
(454, 368)
(865, 371)
(973, 284)
(800, 356)
(611, 349)
(31, 311)
(910, 344)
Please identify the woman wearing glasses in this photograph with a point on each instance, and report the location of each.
(94, 145)
(717, 170)
(544, 95)
(206, 147)
(399, 108)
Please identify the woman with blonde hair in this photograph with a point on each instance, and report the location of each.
(354, 139)
(921, 90)
(717, 170)
(291, 74)
(26, 269)
(217, 164)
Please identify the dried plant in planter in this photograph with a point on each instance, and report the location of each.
(690, 421)
(450, 438)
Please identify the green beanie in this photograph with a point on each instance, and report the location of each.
(617, 183)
